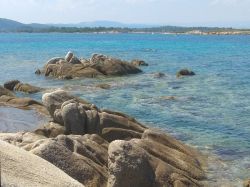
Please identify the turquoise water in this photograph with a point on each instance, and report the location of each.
(211, 110)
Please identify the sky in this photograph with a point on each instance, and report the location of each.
(235, 13)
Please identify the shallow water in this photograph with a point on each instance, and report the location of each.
(211, 110)
(14, 119)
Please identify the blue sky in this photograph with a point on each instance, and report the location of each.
(167, 12)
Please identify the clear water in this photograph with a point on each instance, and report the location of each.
(211, 110)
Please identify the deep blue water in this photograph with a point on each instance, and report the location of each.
(211, 110)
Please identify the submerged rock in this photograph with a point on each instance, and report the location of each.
(103, 86)
(97, 65)
(185, 72)
(159, 75)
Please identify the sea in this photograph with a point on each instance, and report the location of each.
(209, 111)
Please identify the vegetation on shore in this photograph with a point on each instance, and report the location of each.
(163, 29)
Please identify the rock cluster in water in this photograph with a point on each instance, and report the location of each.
(98, 65)
(103, 148)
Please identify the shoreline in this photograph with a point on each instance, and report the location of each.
(195, 32)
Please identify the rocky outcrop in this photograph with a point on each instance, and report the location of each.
(16, 85)
(97, 65)
(80, 117)
(20, 168)
(185, 72)
(137, 62)
(106, 148)
(153, 160)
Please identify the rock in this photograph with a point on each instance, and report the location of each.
(153, 162)
(16, 85)
(111, 66)
(75, 60)
(139, 63)
(159, 75)
(129, 166)
(80, 117)
(146, 158)
(10, 85)
(74, 120)
(21, 168)
(50, 130)
(108, 120)
(111, 134)
(185, 72)
(54, 100)
(69, 56)
(246, 183)
(98, 65)
(81, 158)
(21, 139)
(103, 86)
(5, 92)
(54, 60)
(23, 103)
(27, 88)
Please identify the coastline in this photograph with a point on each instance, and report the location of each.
(131, 78)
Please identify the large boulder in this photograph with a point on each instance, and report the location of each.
(112, 66)
(129, 166)
(55, 99)
(21, 168)
(97, 65)
(149, 162)
(82, 158)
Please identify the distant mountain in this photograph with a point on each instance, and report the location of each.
(7, 25)
(10, 25)
(104, 24)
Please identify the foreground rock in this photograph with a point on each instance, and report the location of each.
(98, 65)
(108, 149)
(20, 168)
(16, 85)
(185, 72)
